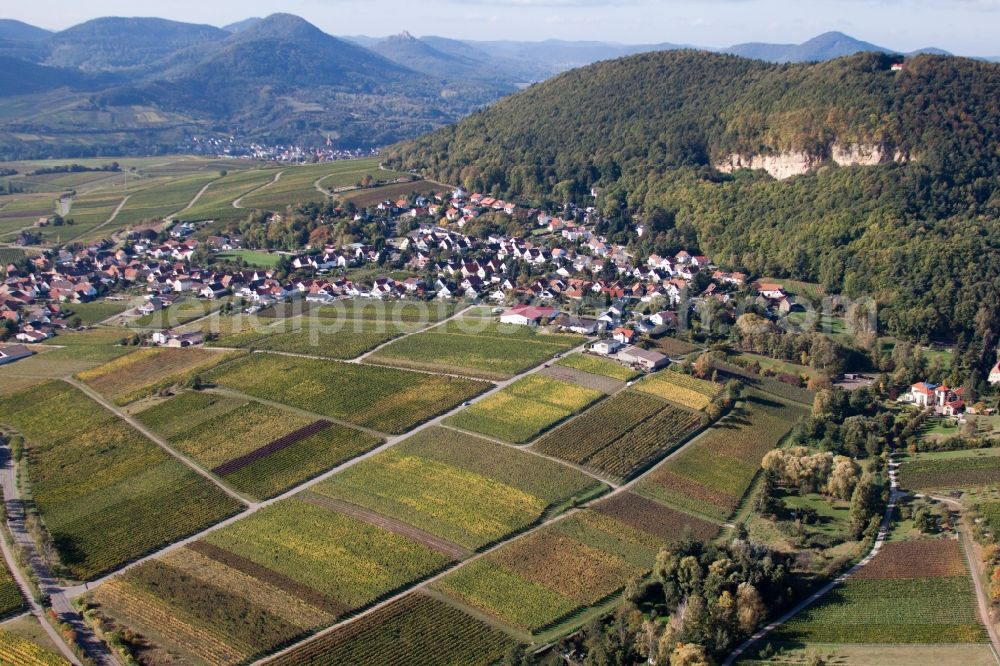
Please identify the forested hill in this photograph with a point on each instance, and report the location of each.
(920, 232)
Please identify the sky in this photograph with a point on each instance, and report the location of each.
(965, 27)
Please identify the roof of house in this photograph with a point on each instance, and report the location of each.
(531, 311)
(644, 354)
(15, 352)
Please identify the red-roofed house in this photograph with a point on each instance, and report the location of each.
(527, 315)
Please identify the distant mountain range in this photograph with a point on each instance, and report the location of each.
(113, 85)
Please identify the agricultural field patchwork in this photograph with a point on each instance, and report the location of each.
(297, 184)
(467, 490)
(146, 371)
(417, 624)
(477, 347)
(546, 578)
(971, 470)
(525, 409)
(711, 476)
(259, 449)
(384, 399)
(262, 582)
(350, 310)
(620, 435)
(106, 493)
(217, 201)
(159, 199)
(318, 337)
(912, 592)
(680, 389)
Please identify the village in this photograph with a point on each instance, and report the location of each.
(565, 275)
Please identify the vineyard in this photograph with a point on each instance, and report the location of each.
(11, 601)
(317, 337)
(417, 624)
(542, 580)
(261, 582)
(19, 651)
(990, 511)
(768, 384)
(916, 592)
(680, 389)
(144, 372)
(259, 449)
(620, 435)
(596, 365)
(384, 399)
(459, 487)
(106, 493)
(483, 350)
(711, 476)
(525, 409)
(950, 472)
(349, 311)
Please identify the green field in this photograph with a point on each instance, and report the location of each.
(476, 347)
(297, 184)
(161, 199)
(596, 365)
(106, 493)
(975, 468)
(711, 476)
(217, 201)
(97, 311)
(251, 257)
(462, 488)
(313, 336)
(546, 578)
(146, 371)
(417, 624)
(623, 434)
(913, 592)
(231, 437)
(262, 582)
(525, 409)
(385, 399)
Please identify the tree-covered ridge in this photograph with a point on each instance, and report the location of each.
(921, 237)
(663, 110)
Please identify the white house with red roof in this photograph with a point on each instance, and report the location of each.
(941, 399)
(994, 377)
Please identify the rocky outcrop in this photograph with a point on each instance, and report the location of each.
(794, 163)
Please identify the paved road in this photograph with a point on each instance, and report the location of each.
(201, 192)
(93, 648)
(237, 202)
(883, 532)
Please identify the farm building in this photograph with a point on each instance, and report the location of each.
(646, 359)
(527, 315)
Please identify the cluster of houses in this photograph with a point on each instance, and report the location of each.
(631, 355)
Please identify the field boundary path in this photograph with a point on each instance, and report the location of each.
(201, 192)
(159, 441)
(237, 202)
(15, 517)
(883, 532)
